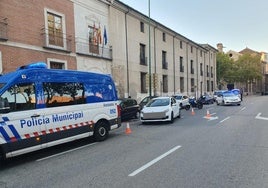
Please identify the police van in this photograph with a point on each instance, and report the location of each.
(41, 107)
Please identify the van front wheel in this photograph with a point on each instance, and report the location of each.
(100, 131)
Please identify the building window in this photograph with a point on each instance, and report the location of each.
(191, 49)
(181, 45)
(212, 87)
(164, 37)
(94, 39)
(56, 64)
(207, 71)
(164, 60)
(143, 82)
(55, 29)
(208, 88)
(181, 84)
(142, 27)
(211, 72)
(181, 64)
(201, 69)
(192, 85)
(142, 55)
(165, 83)
(192, 67)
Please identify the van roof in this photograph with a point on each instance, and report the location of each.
(25, 73)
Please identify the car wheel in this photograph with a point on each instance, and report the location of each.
(137, 115)
(187, 107)
(172, 118)
(100, 131)
(179, 116)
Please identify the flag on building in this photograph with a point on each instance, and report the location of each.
(105, 36)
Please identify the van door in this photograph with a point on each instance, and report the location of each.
(21, 123)
(67, 119)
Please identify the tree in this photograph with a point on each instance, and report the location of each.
(225, 66)
(248, 68)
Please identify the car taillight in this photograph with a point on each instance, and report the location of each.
(119, 111)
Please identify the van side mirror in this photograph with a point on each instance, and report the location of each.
(4, 105)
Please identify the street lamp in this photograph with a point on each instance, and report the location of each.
(149, 66)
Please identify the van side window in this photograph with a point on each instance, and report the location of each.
(20, 97)
(100, 93)
(63, 93)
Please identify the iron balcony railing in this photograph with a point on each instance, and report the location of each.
(84, 47)
(56, 41)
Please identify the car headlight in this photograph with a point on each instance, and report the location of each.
(167, 110)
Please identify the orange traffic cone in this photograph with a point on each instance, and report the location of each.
(208, 114)
(193, 113)
(128, 130)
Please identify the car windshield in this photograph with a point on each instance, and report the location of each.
(178, 97)
(229, 94)
(158, 102)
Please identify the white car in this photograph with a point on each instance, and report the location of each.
(160, 109)
(228, 98)
(183, 101)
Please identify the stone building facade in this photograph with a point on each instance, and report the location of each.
(108, 37)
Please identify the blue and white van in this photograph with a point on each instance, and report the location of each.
(42, 107)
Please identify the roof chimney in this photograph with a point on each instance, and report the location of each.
(220, 47)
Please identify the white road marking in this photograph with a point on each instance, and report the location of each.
(225, 119)
(243, 108)
(58, 154)
(213, 118)
(153, 161)
(260, 117)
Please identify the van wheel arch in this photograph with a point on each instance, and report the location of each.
(101, 130)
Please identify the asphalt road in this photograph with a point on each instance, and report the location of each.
(217, 147)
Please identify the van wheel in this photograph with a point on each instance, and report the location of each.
(2, 159)
(100, 131)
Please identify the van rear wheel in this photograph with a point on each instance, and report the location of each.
(101, 131)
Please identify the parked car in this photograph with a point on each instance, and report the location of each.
(183, 101)
(228, 98)
(216, 93)
(160, 109)
(129, 108)
(145, 100)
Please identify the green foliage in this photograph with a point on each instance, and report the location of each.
(246, 68)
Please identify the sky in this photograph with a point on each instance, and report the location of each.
(236, 24)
